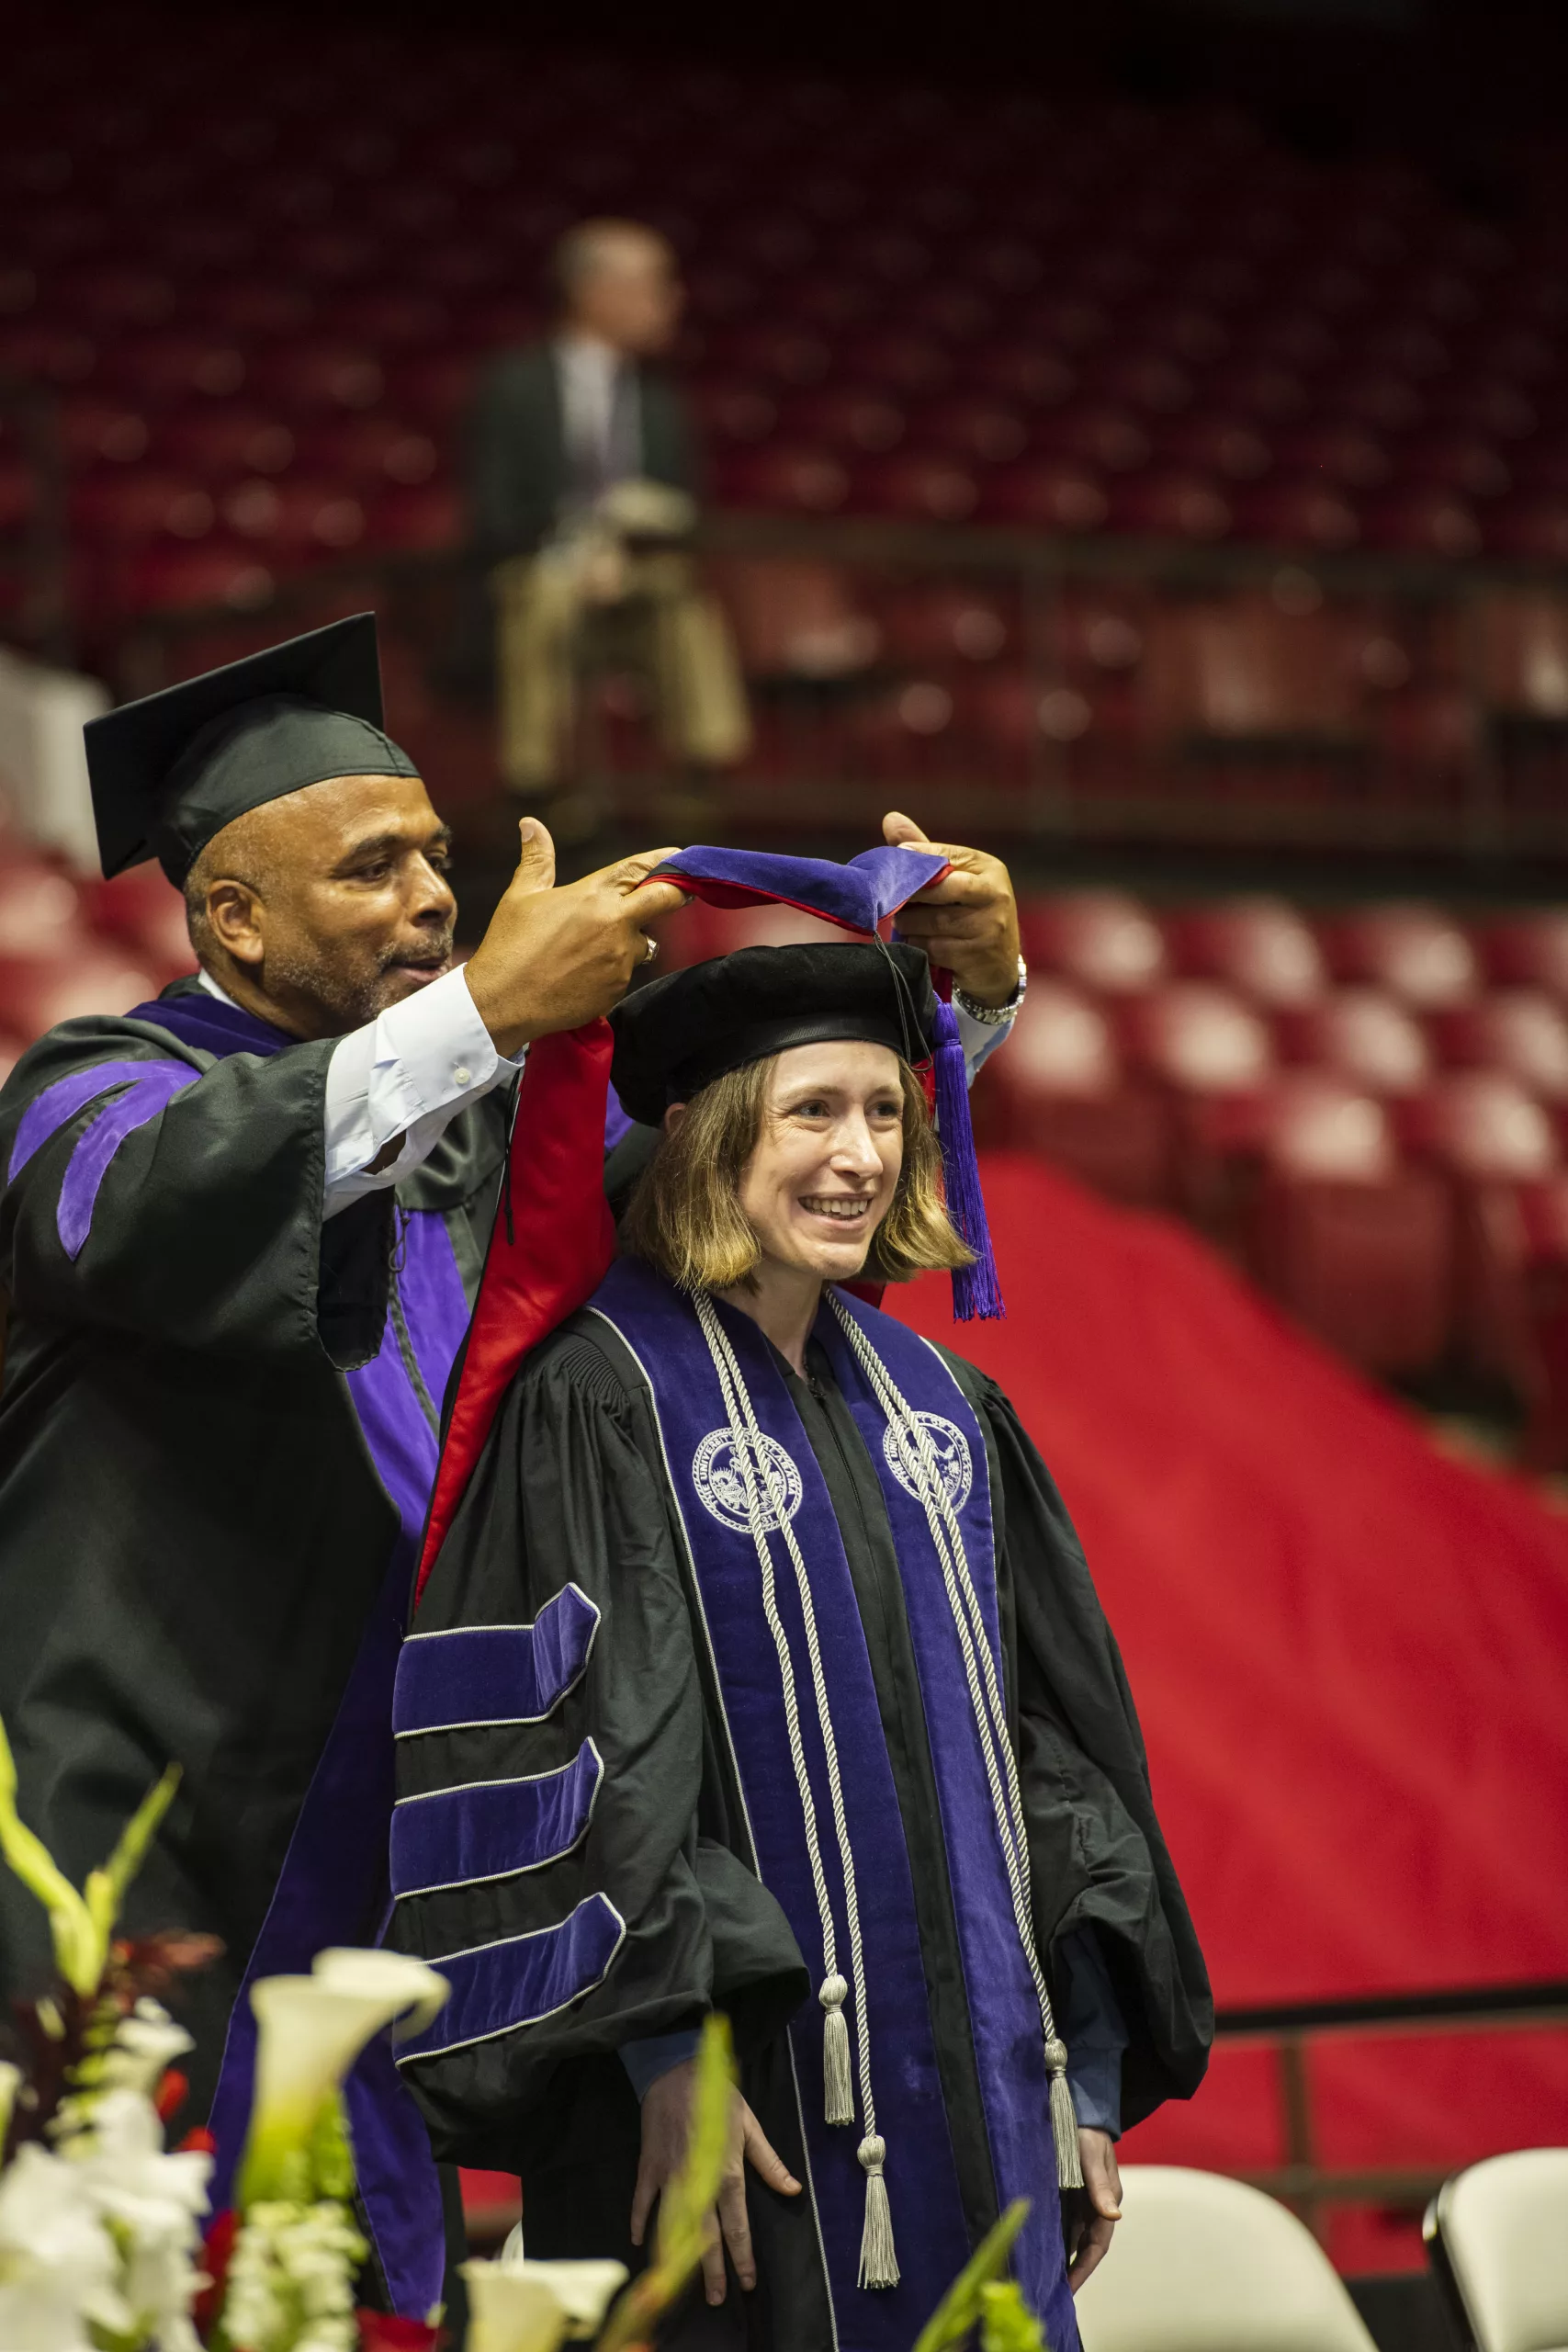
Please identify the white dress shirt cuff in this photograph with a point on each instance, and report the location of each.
(427, 1055)
(980, 1039)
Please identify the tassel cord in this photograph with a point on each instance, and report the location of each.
(756, 1513)
(996, 1742)
(746, 1436)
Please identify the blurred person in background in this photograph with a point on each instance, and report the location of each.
(583, 487)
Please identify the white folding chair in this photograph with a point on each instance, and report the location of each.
(1202, 2264)
(1498, 2237)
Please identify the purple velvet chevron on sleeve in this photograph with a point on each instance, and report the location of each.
(142, 1089)
(521, 1980)
(490, 1829)
(475, 1674)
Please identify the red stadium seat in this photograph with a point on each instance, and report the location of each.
(731, 412)
(794, 618)
(1021, 373)
(1497, 1147)
(1519, 1031)
(310, 376)
(369, 450)
(176, 363)
(41, 911)
(414, 514)
(296, 518)
(1213, 1055)
(1416, 953)
(219, 571)
(98, 428)
(1059, 1091)
(1523, 646)
(1532, 526)
(1301, 512)
(141, 504)
(228, 439)
(974, 430)
(1097, 433)
(1046, 494)
(1259, 946)
(1344, 454)
(934, 624)
(785, 477)
(1361, 1034)
(1422, 520)
(144, 914)
(1226, 447)
(1170, 503)
(1106, 942)
(1357, 1246)
(849, 418)
(922, 486)
(1530, 951)
(1454, 460)
(37, 991)
(1197, 1038)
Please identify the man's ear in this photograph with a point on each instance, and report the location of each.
(674, 1116)
(234, 917)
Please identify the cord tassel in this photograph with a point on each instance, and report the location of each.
(837, 2092)
(1064, 2122)
(878, 2262)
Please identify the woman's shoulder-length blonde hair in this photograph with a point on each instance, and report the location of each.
(685, 1217)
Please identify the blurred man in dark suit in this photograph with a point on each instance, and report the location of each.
(584, 486)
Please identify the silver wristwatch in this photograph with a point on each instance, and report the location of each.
(993, 1016)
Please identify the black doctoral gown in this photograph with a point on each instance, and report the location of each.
(215, 1416)
(570, 1509)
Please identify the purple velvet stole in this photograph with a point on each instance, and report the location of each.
(332, 1885)
(661, 1329)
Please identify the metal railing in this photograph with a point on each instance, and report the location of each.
(1107, 690)
(1292, 2030)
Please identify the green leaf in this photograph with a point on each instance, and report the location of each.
(1007, 2323)
(70, 1922)
(959, 2311)
(106, 1887)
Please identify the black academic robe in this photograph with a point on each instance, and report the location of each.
(202, 1488)
(570, 1509)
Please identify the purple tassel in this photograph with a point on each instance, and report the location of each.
(975, 1288)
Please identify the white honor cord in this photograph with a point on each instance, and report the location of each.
(879, 2264)
(990, 1716)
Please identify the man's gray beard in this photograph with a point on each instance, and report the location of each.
(349, 1006)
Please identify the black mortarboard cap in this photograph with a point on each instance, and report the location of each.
(679, 1032)
(171, 771)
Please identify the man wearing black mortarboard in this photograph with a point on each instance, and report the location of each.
(240, 1229)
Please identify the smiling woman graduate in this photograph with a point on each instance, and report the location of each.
(761, 1670)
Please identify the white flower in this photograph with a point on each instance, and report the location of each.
(145, 2045)
(59, 2267)
(153, 2204)
(520, 2306)
(311, 2028)
(291, 2279)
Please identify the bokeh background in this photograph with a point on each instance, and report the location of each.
(1135, 441)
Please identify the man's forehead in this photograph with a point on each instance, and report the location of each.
(321, 822)
(353, 804)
